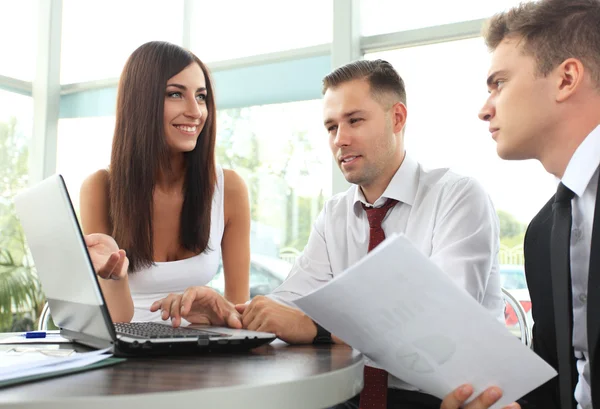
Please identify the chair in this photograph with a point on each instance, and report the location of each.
(44, 318)
(524, 324)
(289, 254)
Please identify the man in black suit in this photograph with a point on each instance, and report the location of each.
(544, 104)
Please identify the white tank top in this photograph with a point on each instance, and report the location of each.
(162, 278)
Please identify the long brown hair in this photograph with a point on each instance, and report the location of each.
(552, 30)
(139, 151)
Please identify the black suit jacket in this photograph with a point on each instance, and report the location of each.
(539, 281)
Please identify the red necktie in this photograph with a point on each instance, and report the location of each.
(374, 393)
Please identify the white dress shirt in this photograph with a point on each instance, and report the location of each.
(581, 176)
(448, 217)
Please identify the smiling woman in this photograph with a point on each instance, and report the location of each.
(185, 108)
(163, 198)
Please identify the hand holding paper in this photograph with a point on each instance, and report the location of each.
(400, 310)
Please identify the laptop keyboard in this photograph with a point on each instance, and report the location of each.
(150, 330)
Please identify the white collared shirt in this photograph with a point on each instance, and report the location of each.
(448, 217)
(581, 176)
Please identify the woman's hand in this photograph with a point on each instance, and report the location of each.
(108, 260)
(198, 305)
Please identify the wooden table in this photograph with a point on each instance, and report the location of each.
(273, 376)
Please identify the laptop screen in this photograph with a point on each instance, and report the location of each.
(62, 260)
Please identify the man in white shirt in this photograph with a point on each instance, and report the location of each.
(448, 217)
(544, 104)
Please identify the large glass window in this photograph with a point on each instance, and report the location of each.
(97, 37)
(18, 39)
(84, 146)
(281, 151)
(20, 294)
(388, 16)
(229, 29)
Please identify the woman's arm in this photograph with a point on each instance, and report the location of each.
(235, 246)
(94, 212)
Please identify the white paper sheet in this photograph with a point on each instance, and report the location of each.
(400, 310)
(19, 362)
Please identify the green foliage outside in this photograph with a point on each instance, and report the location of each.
(513, 241)
(509, 226)
(240, 155)
(512, 231)
(21, 297)
(239, 148)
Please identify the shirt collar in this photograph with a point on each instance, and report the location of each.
(402, 187)
(583, 164)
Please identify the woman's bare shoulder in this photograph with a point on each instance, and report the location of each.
(96, 185)
(99, 178)
(234, 184)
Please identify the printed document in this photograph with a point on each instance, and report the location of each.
(406, 316)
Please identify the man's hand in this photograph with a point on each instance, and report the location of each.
(198, 305)
(108, 260)
(289, 324)
(456, 398)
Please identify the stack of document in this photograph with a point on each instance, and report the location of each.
(406, 316)
(19, 364)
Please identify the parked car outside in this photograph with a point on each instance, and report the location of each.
(266, 274)
(512, 278)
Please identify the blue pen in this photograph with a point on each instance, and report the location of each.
(35, 334)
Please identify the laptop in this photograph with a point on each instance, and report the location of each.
(74, 297)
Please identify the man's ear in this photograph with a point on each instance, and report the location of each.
(569, 78)
(399, 114)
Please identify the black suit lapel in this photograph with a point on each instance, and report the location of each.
(593, 304)
(539, 281)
